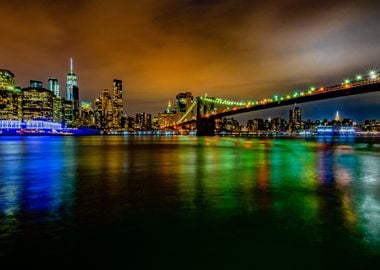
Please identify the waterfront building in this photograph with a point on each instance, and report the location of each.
(86, 114)
(98, 112)
(166, 118)
(75, 102)
(229, 124)
(107, 109)
(53, 86)
(256, 124)
(10, 97)
(58, 104)
(117, 103)
(140, 120)
(371, 126)
(37, 104)
(130, 122)
(278, 124)
(71, 81)
(336, 130)
(295, 119)
(68, 117)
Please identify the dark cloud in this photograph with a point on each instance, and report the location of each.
(236, 49)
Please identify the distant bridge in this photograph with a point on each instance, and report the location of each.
(208, 109)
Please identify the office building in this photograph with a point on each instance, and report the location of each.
(35, 84)
(58, 103)
(256, 124)
(53, 86)
(182, 104)
(71, 81)
(98, 112)
(86, 114)
(166, 118)
(107, 110)
(10, 97)
(75, 102)
(37, 104)
(68, 117)
(295, 118)
(117, 103)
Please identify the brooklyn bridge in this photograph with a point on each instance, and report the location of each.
(205, 110)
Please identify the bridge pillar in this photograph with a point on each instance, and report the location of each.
(205, 125)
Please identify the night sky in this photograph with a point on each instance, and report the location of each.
(231, 49)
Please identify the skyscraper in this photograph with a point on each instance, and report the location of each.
(71, 81)
(98, 112)
(107, 109)
(86, 114)
(58, 105)
(182, 104)
(117, 103)
(76, 101)
(10, 97)
(53, 86)
(37, 104)
(295, 118)
(36, 84)
(337, 117)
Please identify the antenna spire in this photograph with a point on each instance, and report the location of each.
(71, 66)
(337, 117)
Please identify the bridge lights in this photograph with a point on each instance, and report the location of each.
(295, 94)
(346, 81)
(312, 88)
(359, 77)
(372, 74)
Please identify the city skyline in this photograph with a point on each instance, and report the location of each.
(158, 50)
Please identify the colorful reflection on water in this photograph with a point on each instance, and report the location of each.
(226, 196)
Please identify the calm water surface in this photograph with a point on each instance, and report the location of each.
(189, 203)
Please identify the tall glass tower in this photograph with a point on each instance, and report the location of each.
(117, 103)
(71, 81)
(53, 86)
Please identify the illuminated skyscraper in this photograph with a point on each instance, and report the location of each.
(71, 81)
(68, 117)
(337, 117)
(58, 105)
(86, 114)
(117, 103)
(167, 117)
(76, 101)
(10, 97)
(295, 118)
(98, 112)
(37, 104)
(169, 107)
(53, 86)
(36, 84)
(107, 109)
(182, 104)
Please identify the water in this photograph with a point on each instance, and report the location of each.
(189, 203)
